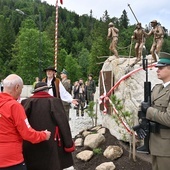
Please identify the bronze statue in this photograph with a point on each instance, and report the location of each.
(139, 37)
(113, 35)
(158, 33)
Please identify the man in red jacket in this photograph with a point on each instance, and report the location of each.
(14, 126)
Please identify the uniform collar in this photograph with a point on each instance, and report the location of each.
(166, 84)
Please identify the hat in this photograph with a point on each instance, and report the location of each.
(154, 21)
(50, 68)
(164, 59)
(41, 86)
(64, 72)
(111, 24)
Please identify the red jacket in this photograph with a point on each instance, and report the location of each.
(14, 127)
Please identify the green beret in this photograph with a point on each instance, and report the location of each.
(164, 59)
(64, 72)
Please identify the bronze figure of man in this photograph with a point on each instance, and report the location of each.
(158, 33)
(113, 35)
(139, 37)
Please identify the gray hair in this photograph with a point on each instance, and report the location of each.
(12, 80)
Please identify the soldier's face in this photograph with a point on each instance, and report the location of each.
(163, 73)
(62, 75)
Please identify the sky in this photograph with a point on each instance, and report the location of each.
(144, 10)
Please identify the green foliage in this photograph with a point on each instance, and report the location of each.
(82, 38)
(125, 115)
(124, 21)
(30, 54)
(90, 111)
(73, 68)
(7, 38)
(97, 151)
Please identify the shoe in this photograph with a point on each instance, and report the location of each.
(77, 117)
(82, 117)
(143, 149)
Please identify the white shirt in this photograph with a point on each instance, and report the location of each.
(64, 94)
(166, 84)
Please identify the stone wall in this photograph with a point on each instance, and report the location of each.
(26, 91)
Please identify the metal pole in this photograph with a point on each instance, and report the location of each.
(56, 37)
(40, 45)
(133, 13)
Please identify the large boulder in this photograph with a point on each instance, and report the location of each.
(129, 88)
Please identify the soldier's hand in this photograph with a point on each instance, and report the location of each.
(141, 133)
(144, 107)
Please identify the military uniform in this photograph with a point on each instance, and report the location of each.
(159, 116)
(67, 86)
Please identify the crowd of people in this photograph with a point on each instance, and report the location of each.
(84, 93)
(35, 134)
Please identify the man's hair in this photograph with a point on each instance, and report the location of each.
(11, 80)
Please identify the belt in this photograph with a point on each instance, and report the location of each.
(163, 127)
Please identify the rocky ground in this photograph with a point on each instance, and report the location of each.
(143, 161)
(124, 163)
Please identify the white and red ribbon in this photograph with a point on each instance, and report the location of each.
(105, 96)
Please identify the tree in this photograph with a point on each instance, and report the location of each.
(32, 51)
(83, 61)
(73, 68)
(124, 21)
(105, 17)
(81, 37)
(6, 41)
(99, 48)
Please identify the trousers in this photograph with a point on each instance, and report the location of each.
(20, 166)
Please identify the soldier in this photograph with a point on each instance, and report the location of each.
(159, 115)
(158, 33)
(139, 37)
(66, 83)
(113, 35)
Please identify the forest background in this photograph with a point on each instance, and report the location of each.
(27, 39)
